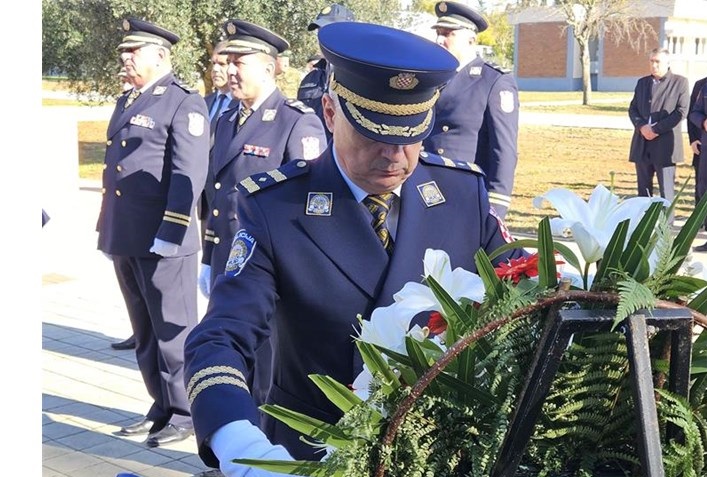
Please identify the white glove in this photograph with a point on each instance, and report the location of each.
(166, 249)
(205, 280)
(243, 440)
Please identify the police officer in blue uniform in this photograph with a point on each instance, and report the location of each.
(477, 112)
(307, 259)
(276, 130)
(155, 168)
(314, 84)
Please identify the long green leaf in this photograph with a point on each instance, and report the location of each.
(684, 238)
(291, 467)
(547, 268)
(569, 256)
(640, 239)
(611, 260)
(494, 286)
(465, 388)
(319, 430)
(377, 365)
(339, 395)
(419, 362)
(699, 303)
(457, 319)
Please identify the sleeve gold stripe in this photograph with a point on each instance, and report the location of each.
(250, 184)
(178, 216)
(209, 233)
(213, 370)
(167, 218)
(207, 383)
(497, 198)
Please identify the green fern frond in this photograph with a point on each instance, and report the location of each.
(633, 296)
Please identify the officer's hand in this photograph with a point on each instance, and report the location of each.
(205, 280)
(166, 249)
(695, 145)
(243, 440)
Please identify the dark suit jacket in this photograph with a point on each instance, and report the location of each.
(693, 131)
(665, 106)
(697, 118)
(307, 272)
(156, 159)
(280, 130)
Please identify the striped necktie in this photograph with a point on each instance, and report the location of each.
(379, 206)
(131, 98)
(243, 114)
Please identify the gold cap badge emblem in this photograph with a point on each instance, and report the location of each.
(404, 81)
(126, 25)
(231, 29)
(325, 10)
(443, 7)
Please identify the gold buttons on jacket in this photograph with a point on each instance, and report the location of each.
(118, 168)
(217, 240)
(217, 186)
(103, 190)
(445, 128)
(109, 142)
(105, 165)
(440, 151)
(118, 193)
(216, 212)
(123, 143)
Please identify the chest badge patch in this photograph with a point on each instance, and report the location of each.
(252, 150)
(241, 250)
(142, 121)
(319, 203)
(159, 90)
(430, 193)
(269, 114)
(475, 71)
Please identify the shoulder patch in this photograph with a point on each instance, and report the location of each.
(298, 105)
(263, 180)
(435, 160)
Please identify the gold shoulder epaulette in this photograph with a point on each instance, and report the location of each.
(263, 180)
(299, 105)
(436, 160)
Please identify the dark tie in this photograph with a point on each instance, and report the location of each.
(131, 98)
(216, 107)
(379, 206)
(243, 114)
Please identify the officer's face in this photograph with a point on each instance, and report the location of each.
(248, 75)
(219, 71)
(141, 64)
(374, 166)
(457, 42)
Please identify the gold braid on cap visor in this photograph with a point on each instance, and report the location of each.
(243, 46)
(451, 21)
(379, 107)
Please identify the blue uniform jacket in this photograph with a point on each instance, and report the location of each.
(695, 129)
(477, 121)
(308, 275)
(155, 169)
(279, 131)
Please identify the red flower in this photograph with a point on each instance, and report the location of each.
(436, 323)
(517, 268)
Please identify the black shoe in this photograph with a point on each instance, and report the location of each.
(143, 427)
(169, 434)
(700, 248)
(126, 344)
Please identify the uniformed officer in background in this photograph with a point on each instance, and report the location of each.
(155, 168)
(314, 84)
(311, 254)
(477, 112)
(265, 131)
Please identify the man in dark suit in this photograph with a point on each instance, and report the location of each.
(697, 132)
(155, 168)
(659, 105)
(264, 131)
(323, 242)
(477, 112)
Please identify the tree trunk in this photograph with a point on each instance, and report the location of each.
(586, 74)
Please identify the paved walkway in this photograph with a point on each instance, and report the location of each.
(88, 389)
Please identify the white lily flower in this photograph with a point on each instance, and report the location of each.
(593, 222)
(362, 384)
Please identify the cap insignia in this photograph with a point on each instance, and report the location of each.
(404, 81)
(319, 203)
(326, 10)
(431, 194)
(126, 25)
(231, 29)
(443, 7)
